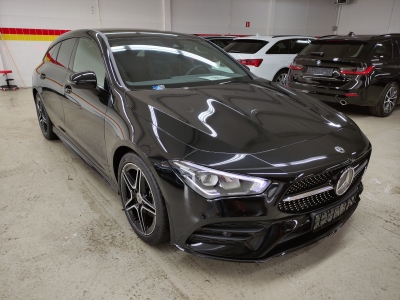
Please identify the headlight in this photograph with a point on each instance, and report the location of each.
(211, 183)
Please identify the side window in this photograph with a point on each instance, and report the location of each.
(281, 47)
(51, 55)
(296, 46)
(219, 43)
(382, 49)
(88, 58)
(65, 52)
(396, 52)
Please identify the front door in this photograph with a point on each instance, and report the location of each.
(85, 109)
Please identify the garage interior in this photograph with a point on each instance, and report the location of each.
(63, 233)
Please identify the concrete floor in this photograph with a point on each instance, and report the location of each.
(64, 235)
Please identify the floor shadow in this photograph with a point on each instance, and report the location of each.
(355, 110)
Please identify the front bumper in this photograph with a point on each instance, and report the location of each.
(244, 230)
(274, 239)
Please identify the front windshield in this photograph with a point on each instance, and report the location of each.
(160, 62)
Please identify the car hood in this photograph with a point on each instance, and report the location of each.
(237, 117)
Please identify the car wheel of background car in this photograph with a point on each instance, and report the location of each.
(44, 121)
(281, 76)
(387, 102)
(142, 200)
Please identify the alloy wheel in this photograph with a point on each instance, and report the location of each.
(138, 199)
(281, 79)
(42, 116)
(390, 100)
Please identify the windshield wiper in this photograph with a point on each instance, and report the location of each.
(233, 81)
(234, 51)
(317, 53)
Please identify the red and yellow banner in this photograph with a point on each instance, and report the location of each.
(30, 34)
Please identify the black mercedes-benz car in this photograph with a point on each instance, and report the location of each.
(203, 153)
(354, 69)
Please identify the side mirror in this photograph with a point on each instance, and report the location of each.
(83, 80)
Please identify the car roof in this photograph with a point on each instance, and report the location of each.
(271, 38)
(354, 37)
(218, 37)
(119, 32)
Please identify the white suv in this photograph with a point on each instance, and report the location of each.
(268, 57)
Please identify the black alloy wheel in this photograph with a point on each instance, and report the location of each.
(142, 200)
(281, 77)
(387, 102)
(44, 121)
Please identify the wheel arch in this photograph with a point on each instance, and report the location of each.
(34, 92)
(117, 156)
(123, 149)
(286, 69)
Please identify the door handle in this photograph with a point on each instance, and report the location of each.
(42, 76)
(67, 89)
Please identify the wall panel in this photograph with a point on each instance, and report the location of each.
(370, 17)
(206, 16)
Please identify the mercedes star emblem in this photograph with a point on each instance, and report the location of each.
(344, 181)
(339, 149)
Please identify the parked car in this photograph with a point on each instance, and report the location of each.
(220, 40)
(204, 154)
(355, 69)
(268, 57)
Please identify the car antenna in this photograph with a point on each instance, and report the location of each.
(351, 33)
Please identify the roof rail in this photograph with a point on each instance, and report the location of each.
(327, 35)
(388, 34)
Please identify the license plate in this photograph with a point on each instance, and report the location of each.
(331, 215)
(320, 71)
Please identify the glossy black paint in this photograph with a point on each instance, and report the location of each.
(368, 87)
(83, 80)
(257, 128)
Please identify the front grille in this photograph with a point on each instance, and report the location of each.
(308, 203)
(312, 182)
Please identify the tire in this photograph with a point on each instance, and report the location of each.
(281, 77)
(44, 121)
(143, 203)
(387, 102)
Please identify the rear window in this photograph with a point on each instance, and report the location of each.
(245, 46)
(341, 49)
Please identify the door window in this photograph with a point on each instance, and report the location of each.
(64, 54)
(88, 58)
(51, 55)
(396, 52)
(382, 49)
(297, 45)
(245, 46)
(280, 47)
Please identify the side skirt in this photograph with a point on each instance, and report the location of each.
(70, 145)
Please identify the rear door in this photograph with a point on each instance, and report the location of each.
(85, 109)
(381, 56)
(396, 56)
(281, 55)
(51, 77)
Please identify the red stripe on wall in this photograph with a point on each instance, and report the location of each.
(32, 31)
(36, 31)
